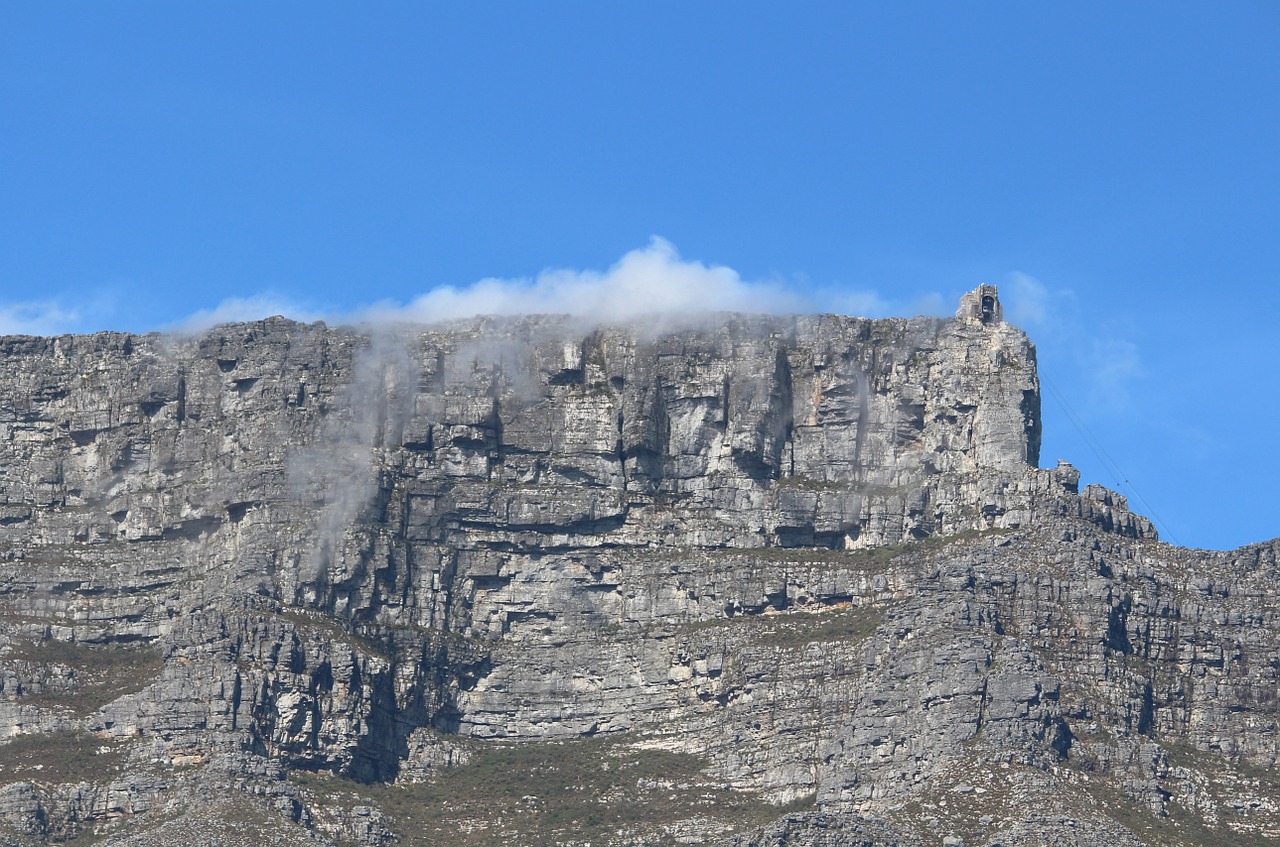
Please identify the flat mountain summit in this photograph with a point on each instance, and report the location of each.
(748, 581)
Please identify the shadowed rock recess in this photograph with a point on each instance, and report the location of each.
(754, 582)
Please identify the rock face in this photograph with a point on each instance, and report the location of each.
(758, 581)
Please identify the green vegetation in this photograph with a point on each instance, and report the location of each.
(544, 793)
(1226, 777)
(850, 623)
(1182, 828)
(796, 628)
(100, 673)
(858, 558)
(328, 628)
(376, 639)
(59, 757)
(808, 483)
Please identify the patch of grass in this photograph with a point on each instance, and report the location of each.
(60, 757)
(808, 483)
(222, 819)
(544, 793)
(100, 673)
(1228, 779)
(849, 623)
(1182, 827)
(1152, 829)
(796, 628)
(328, 628)
(866, 558)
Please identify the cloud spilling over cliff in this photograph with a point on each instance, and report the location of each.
(36, 318)
(338, 472)
(652, 284)
(256, 307)
(1100, 354)
(651, 281)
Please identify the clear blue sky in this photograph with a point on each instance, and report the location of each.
(1112, 166)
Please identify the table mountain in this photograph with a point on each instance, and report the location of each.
(746, 580)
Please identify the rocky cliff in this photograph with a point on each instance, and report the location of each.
(755, 581)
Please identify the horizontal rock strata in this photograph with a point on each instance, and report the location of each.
(760, 580)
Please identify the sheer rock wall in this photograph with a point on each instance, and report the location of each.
(815, 551)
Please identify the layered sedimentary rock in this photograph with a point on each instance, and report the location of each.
(758, 580)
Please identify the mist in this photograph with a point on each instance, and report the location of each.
(648, 282)
(339, 472)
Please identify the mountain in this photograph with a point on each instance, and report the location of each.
(747, 581)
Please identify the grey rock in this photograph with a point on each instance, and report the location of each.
(812, 554)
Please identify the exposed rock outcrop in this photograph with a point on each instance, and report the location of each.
(763, 580)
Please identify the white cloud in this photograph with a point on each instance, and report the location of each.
(37, 318)
(1103, 364)
(1113, 364)
(245, 309)
(648, 282)
(1026, 300)
(932, 303)
(652, 283)
(867, 304)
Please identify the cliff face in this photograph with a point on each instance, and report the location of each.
(760, 581)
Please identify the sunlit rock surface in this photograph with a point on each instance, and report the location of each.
(751, 581)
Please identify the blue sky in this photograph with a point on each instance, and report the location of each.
(1112, 166)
